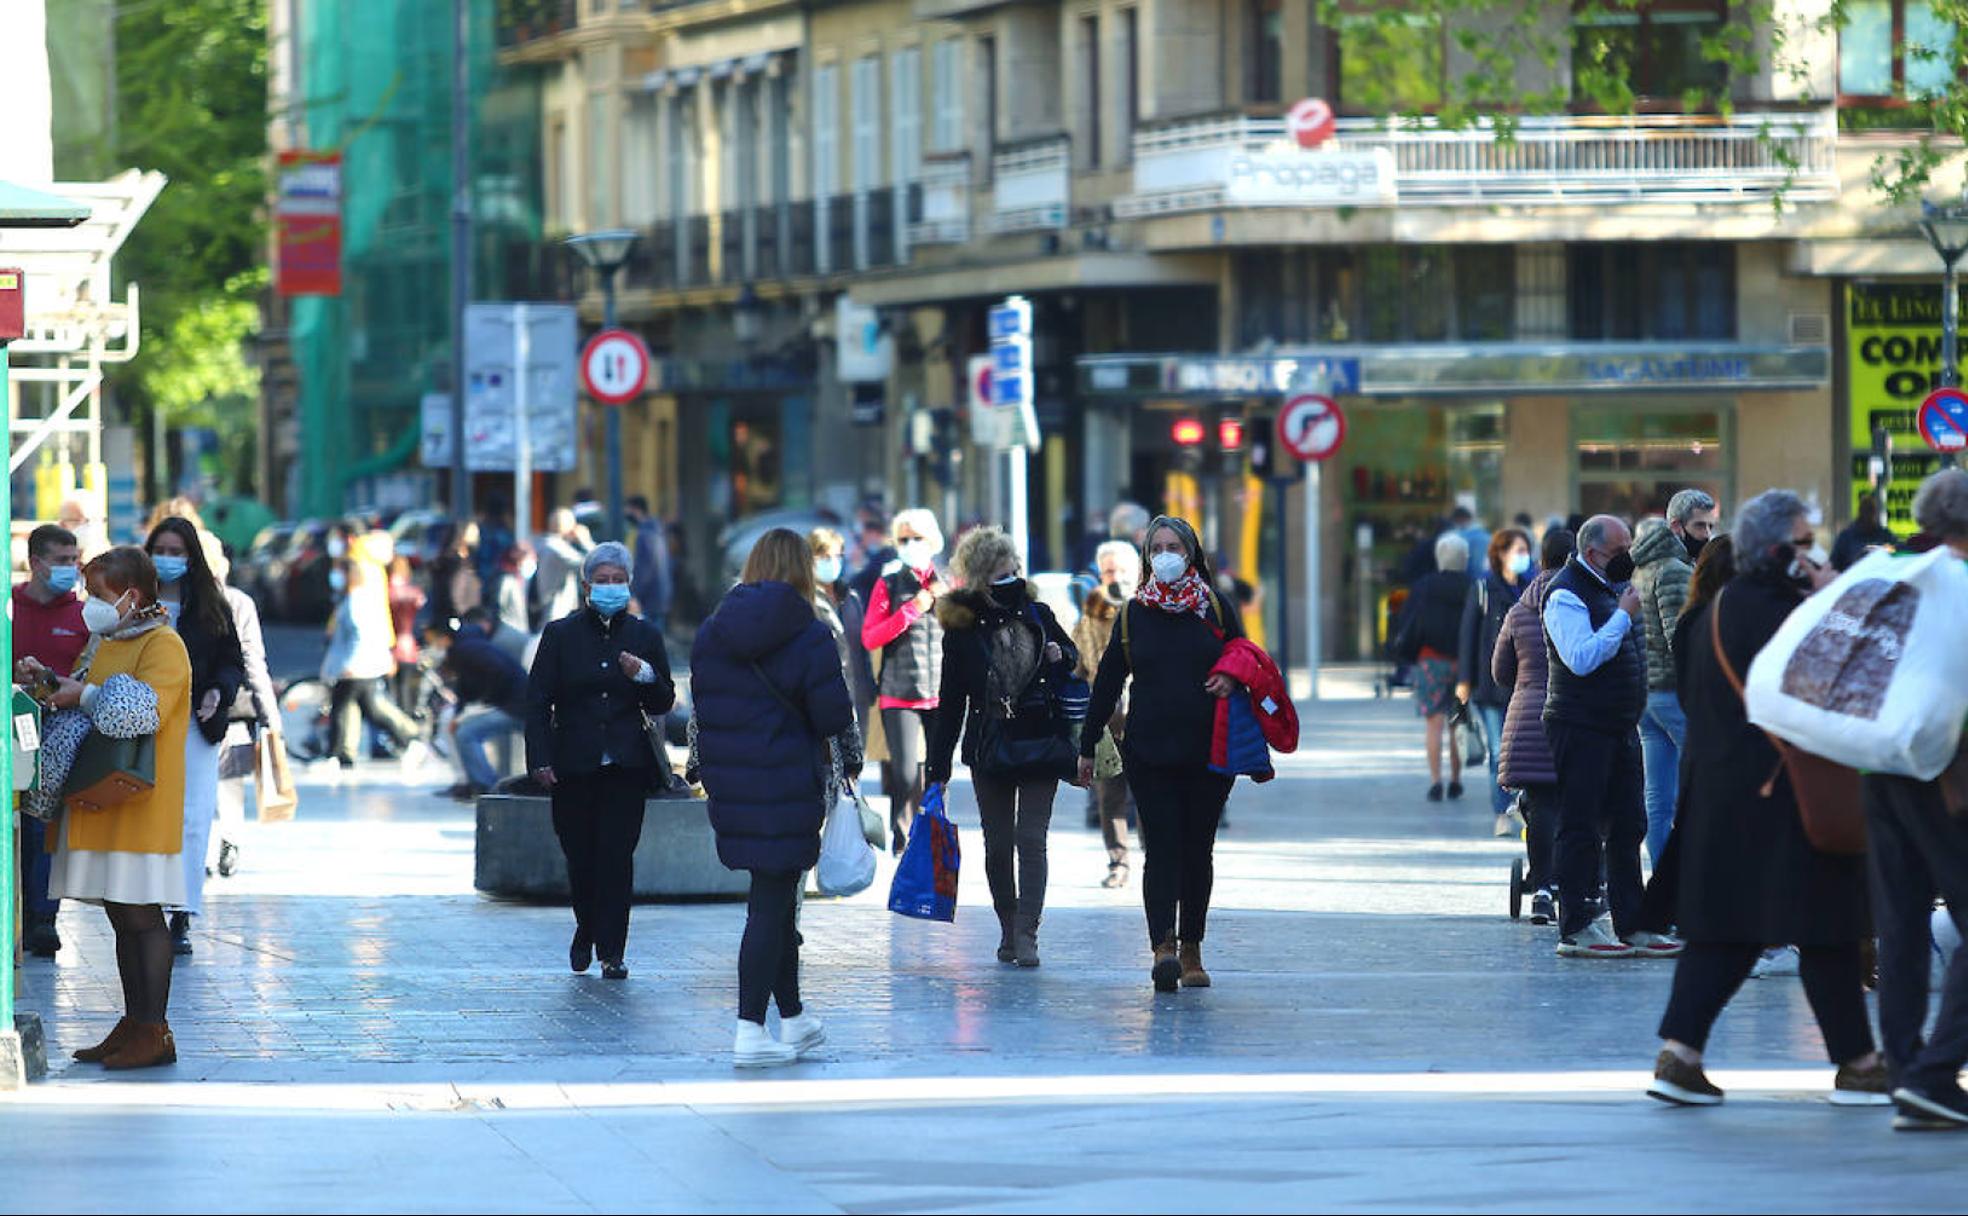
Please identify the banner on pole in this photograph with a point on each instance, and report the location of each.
(307, 218)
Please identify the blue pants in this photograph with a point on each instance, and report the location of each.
(1492, 718)
(1663, 731)
(475, 730)
(34, 866)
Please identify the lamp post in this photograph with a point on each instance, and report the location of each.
(1946, 229)
(605, 253)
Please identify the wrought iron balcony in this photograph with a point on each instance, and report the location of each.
(1032, 185)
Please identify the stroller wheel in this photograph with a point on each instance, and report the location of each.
(1517, 888)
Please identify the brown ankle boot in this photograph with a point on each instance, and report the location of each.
(106, 1048)
(1193, 975)
(1167, 970)
(149, 1044)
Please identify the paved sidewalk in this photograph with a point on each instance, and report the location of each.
(360, 1031)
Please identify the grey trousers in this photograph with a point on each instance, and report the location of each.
(1112, 799)
(1016, 817)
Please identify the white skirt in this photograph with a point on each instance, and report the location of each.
(200, 805)
(95, 877)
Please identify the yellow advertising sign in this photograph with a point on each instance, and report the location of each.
(1893, 337)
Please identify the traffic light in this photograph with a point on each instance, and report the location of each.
(1263, 444)
(1230, 434)
(1187, 432)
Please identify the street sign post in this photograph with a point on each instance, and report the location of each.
(1311, 427)
(1010, 327)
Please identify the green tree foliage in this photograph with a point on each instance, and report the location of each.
(192, 103)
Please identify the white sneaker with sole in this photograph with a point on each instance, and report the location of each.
(803, 1033)
(416, 754)
(1596, 940)
(1775, 964)
(754, 1048)
(1655, 945)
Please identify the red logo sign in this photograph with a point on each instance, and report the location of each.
(1311, 427)
(1311, 122)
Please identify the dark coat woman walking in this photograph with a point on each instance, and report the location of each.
(597, 673)
(1748, 875)
(1167, 641)
(1002, 648)
(1524, 761)
(1491, 595)
(769, 694)
(1428, 636)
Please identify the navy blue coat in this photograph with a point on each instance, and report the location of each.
(766, 770)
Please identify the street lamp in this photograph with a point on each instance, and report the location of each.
(605, 253)
(1946, 229)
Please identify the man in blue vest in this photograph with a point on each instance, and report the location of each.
(1592, 710)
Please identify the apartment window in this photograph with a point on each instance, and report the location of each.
(947, 84)
(1667, 292)
(826, 131)
(1409, 293)
(1264, 41)
(987, 71)
(864, 104)
(1090, 86)
(641, 140)
(1894, 48)
(1389, 62)
(1656, 44)
(1131, 65)
(905, 110)
(601, 164)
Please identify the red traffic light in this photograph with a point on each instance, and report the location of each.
(1187, 432)
(1230, 434)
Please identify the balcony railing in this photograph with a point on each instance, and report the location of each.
(519, 22)
(939, 202)
(1032, 186)
(1567, 159)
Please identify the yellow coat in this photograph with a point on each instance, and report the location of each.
(154, 822)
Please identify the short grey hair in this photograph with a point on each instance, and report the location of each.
(1683, 506)
(1648, 526)
(1129, 556)
(1763, 523)
(1451, 552)
(1940, 507)
(607, 553)
(1127, 520)
(1593, 532)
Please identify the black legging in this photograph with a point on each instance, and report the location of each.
(1708, 974)
(1178, 810)
(907, 730)
(768, 957)
(144, 955)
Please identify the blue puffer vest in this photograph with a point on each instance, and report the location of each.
(1613, 697)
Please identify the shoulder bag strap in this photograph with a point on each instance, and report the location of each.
(779, 696)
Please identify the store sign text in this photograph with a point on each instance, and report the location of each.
(1290, 177)
(1668, 371)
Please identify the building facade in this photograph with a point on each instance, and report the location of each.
(1583, 314)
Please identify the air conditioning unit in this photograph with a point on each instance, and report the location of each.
(1810, 329)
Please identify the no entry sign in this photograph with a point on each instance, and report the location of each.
(1944, 420)
(1311, 427)
(614, 367)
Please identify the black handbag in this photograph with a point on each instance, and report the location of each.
(1028, 736)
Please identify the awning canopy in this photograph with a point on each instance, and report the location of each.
(21, 207)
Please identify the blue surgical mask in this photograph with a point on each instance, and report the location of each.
(61, 579)
(170, 568)
(827, 570)
(1520, 564)
(338, 580)
(609, 598)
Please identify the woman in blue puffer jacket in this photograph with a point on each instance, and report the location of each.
(769, 695)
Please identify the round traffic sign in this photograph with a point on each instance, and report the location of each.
(1311, 122)
(614, 367)
(1311, 427)
(1944, 420)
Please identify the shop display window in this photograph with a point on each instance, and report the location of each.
(1632, 459)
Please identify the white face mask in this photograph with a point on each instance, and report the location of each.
(1169, 567)
(99, 615)
(917, 554)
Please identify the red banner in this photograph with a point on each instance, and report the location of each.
(307, 218)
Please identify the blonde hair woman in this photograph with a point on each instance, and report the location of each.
(769, 695)
(1001, 648)
(359, 662)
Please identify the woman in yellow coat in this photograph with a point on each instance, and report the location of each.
(126, 857)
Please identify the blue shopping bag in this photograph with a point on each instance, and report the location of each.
(925, 883)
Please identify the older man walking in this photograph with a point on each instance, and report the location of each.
(1592, 709)
(1664, 564)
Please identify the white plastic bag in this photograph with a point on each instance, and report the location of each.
(1872, 671)
(847, 860)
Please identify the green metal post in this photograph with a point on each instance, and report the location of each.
(10, 896)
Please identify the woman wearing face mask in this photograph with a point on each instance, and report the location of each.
(127, 857)
(598, 672)
(196, 608)
(840, 606)
(1001, 647)
(1118, 564)
(1745, 872)
(902, 625)
(1167, 640)
(515, 580)
(1489, 598)
(357, 667)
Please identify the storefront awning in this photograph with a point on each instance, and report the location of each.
(1407, 371)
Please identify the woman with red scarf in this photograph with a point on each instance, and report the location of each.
(1167, 640)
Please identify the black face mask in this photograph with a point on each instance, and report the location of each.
(1694, 545)
(1009, 594)
(1619, 569)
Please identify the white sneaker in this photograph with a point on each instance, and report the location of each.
(754, 1048)
(1596, 940)
(1655, 945)
(803, 1033)
(416, 754)
(1775, 964)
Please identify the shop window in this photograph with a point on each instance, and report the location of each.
(1632, 458)
(1264, 33)
(1485, 283)
(1388, 62)
(1892, 49)
(1655, 45)
(1427, 293)
(1667, 292)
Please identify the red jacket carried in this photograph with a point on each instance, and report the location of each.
(1247, 731)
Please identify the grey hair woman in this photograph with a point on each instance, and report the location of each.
(599, 675)
(1430, 637)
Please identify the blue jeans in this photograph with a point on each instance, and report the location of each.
(1492, 718)
(475, 730)
(1663, 730)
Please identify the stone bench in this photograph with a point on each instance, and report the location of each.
(519, 857)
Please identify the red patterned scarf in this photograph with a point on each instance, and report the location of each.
(1190, 594)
